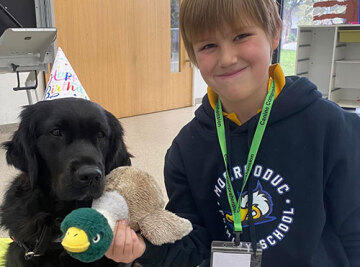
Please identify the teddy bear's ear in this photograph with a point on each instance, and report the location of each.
(162, 226)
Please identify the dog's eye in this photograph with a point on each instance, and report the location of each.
(100, 134)
(56, 132)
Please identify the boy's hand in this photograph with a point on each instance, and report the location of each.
(127, 246)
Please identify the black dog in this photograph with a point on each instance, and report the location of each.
(64, 148)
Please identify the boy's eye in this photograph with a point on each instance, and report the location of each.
(241, 36)
(208, 46)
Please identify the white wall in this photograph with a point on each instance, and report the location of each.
(199, 86)
(11, 101)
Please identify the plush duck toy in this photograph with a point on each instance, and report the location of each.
(130, 194)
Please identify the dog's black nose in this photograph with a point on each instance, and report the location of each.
(88, 174)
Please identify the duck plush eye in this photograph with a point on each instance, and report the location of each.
(97, 238)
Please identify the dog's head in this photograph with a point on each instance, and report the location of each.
(67, 146)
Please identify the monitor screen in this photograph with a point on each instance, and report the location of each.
(22, 10)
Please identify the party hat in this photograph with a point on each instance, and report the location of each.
(63, 81)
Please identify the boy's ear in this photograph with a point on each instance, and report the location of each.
(276, 40)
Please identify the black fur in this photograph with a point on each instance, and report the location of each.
(64, 148)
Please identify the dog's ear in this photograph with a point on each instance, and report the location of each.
(117, 154)
(15, 154)
(21, 149)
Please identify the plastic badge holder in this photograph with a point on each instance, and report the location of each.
(227, 254)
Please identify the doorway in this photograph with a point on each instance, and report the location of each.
(121, 51)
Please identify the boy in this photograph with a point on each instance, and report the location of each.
(303, 173)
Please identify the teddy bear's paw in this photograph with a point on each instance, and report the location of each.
(162, 226)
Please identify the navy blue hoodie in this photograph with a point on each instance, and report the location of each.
(305, 184)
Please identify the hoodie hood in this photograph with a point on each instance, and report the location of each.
(297, 94)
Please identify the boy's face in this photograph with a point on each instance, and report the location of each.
(235, 63)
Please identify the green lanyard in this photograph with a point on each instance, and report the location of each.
(236, 205)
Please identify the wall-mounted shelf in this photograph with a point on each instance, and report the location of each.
(330, 57)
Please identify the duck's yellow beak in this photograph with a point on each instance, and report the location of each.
(75, 240)
(243, 213)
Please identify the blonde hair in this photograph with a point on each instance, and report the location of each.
(198, 17)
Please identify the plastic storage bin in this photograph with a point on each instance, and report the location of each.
(349, 36)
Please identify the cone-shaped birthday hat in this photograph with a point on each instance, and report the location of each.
(63, 81)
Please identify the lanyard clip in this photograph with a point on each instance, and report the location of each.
(237, 238)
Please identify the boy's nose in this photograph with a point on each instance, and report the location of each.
(228, 57)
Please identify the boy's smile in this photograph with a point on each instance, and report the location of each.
(231, 73)
(235, 64)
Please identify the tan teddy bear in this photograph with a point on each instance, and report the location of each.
(146, 206)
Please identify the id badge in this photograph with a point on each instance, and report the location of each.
(227, 254)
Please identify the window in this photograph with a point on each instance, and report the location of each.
(175, 35)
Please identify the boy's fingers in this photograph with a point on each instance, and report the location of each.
(128, 245)
(134, 237)
(111, 251)
(114, 237)
(119, 238)
(137, 246)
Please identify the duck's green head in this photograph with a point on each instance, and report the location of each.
(87, 234)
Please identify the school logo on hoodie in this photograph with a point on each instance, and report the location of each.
(261, 208)
(263, 205)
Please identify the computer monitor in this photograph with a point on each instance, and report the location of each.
(22, 11)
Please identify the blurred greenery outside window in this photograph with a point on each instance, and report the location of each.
(295, 12)
(175, 36)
